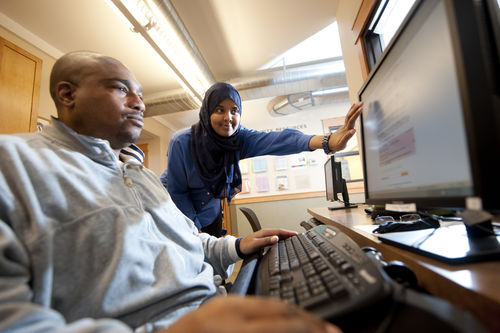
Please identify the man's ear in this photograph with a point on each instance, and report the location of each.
(65, 93)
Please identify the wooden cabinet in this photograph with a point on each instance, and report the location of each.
(362, 18)
(20, 74)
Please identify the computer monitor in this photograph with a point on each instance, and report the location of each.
(335, 184)
(430, 128)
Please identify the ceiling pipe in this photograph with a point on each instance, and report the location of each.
(264, 84)
(292, 103)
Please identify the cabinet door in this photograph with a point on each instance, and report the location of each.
(20, 74)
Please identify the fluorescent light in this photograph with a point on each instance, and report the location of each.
(161, 28)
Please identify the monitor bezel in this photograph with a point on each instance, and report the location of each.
(477, 101)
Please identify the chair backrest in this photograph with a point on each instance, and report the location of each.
(252, 218)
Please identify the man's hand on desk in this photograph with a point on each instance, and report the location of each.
(265, 237)
(249, 314)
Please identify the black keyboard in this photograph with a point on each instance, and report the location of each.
(323, 271)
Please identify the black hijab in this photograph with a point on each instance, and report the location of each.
(215, 157)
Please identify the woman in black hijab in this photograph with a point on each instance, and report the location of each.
(203, 161)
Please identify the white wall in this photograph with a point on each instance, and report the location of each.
(285, 214)
(158, 145)
(302, 179)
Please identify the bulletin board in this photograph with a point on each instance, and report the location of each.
(269, 175)
(290, 174)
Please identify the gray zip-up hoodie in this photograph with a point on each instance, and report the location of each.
(89, 243)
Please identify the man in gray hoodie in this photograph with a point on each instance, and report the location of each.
(90, 240)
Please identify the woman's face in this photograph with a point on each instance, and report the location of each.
(226, 118)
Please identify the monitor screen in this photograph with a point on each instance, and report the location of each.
(419, 131)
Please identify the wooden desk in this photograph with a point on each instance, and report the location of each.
(472, 287)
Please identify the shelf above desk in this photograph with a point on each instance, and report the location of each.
(472, 287)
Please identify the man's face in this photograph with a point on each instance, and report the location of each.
(108, 105)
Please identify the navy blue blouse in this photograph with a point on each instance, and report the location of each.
(184, 184)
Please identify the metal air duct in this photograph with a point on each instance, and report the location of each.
(304, 78)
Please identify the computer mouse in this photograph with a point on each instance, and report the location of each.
(401, 273)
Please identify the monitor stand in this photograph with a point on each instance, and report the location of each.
(345, 206)
(345, 197)
(449, 244)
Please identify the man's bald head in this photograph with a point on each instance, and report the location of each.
(73, 67)
(98, 96)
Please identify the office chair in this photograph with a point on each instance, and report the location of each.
(252, 218)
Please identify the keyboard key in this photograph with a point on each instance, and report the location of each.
(338, 292)
(314, 300)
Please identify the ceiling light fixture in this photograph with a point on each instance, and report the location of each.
(159, 24)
